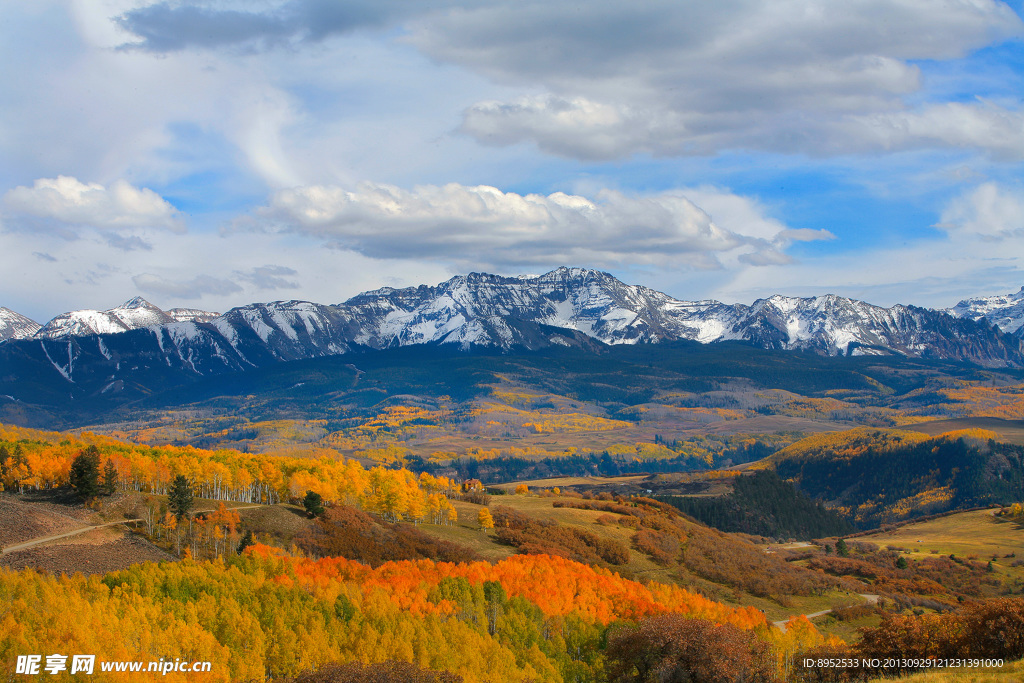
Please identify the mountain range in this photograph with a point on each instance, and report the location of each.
(131, 315)
(569, 307)
(1004, 311)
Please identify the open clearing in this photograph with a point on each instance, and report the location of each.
(978, 533)
(570, 481)
(22, 521)
(98, 551)
(1011, 431)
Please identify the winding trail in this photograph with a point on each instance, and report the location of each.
(871, 600)
(44, 539)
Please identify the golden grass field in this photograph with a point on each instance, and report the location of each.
(978, 533)
(561, 482)
(1010, 431)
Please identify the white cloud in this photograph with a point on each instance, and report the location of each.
(977, 250)
(990, 212)
(67, 202)
(586, 129)
(669, 78)
(997, 131)
(481, 226)
(43, 277)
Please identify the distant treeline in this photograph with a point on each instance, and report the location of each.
(763, 504)
(510, 468)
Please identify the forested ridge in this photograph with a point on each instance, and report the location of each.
(877, 476)
(764, 504)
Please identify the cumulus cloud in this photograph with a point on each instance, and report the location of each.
(65, 203)
(194, 288)
(483, 226)
(989, 212)
(996, 130)
(667, 78)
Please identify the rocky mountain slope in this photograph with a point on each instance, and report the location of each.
(15, 325)
(567, 307)
(1004, 311)
(131, 315)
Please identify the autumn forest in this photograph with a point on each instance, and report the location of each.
(726, 517)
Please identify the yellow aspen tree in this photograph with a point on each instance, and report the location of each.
(484, 519)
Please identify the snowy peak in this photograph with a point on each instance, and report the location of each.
(494, 311)
(1004, 311)
(138, 312)
(836, 325)
(15, 325)
(573, 307)
(131, 315)
(479, 309)
(191, 315)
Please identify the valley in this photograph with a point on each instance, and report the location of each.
(737, 484)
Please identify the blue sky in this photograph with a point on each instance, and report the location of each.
(209, 154)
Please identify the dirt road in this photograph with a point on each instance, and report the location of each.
(870, 599)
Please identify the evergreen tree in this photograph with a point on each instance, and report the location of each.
(314, 504)
(841, 548)
(110, 477)
(85, 473)
(179, 497)
(247, 540)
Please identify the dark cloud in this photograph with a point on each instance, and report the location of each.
(44, 257)
(128, 242)
(174, 26)
(169, 27)
(269, 277)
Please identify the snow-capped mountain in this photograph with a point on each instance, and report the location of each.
(478, 310)
(1004, 311)
(567, 307)
(131, 315)
(836, 325)
(15, 325)
(191, 315)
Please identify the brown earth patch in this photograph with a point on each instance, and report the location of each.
(281, 522)
(22, 521)
(94, 552)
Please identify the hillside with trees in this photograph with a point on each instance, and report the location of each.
(877, 476)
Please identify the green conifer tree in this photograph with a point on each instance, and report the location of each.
(85, 473)
(110, 478)
(179, 497)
